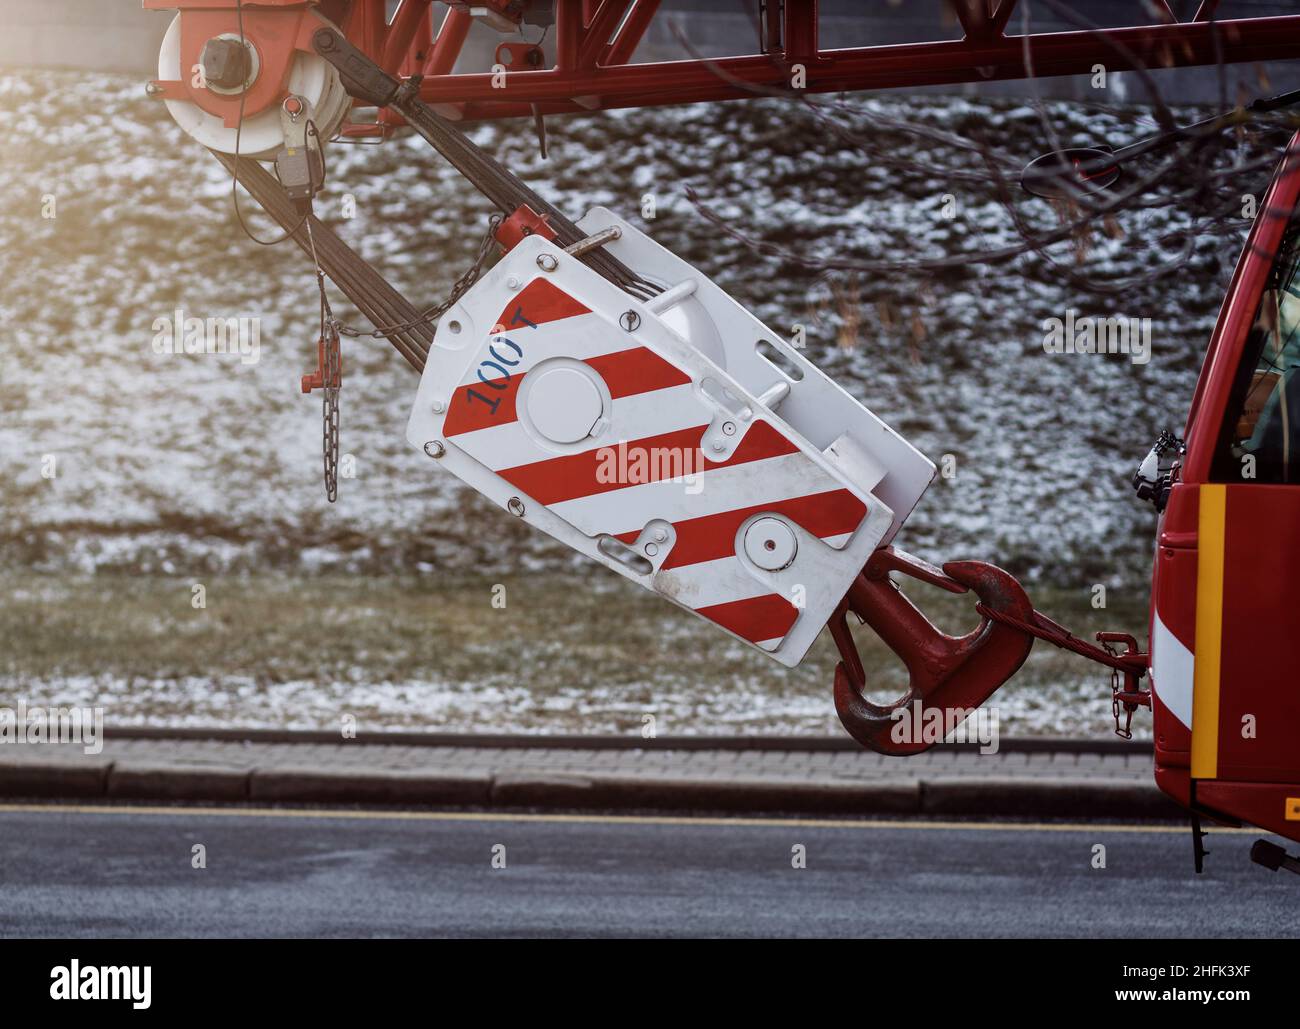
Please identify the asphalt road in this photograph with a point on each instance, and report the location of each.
(128, 872)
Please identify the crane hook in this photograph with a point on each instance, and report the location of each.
(950, 675)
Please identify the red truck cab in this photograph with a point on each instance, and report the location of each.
(1225, 599)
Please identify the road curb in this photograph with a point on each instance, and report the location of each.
(132, 781)
(1046, 798)
(686, 794)
(957, 796)
(313, 785)
(71, 780)
(610, 741)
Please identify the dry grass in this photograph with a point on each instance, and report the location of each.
(572, 652)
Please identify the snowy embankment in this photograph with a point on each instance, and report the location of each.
(176, 462)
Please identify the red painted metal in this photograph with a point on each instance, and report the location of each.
(599, 29)
(800, 33)
(451, 38)
(569, 33)
(1261, 620)
(1255, 774)
(595, 43)
(948, 675)
(629, 37)
(978, 21)
(883, 67)
(1273, 806)
(510, 11)
(519, 56)
(401, 34)
(1173, 595)
(276, 31)
(364, 25)
(591, 72)
(1126, 697)
(521, 224)
(316, 379)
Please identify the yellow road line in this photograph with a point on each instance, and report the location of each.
(1209, 632)
(486, 816)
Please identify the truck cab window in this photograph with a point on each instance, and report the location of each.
(1260, 438)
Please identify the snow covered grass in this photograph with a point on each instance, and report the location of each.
(566, 653)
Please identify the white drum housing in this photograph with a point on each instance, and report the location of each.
(311, 77)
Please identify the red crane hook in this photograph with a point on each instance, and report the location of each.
(950, 675)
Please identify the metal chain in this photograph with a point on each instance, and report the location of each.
(330, 414)
(331, 380)
(331, 328)
(432, 314)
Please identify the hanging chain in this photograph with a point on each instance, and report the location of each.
(332, 366)
(430, 315)
(331, 329)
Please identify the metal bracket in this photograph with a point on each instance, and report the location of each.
(300, 165)
(1198, 846)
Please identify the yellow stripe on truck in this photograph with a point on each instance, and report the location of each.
(1209, 632)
